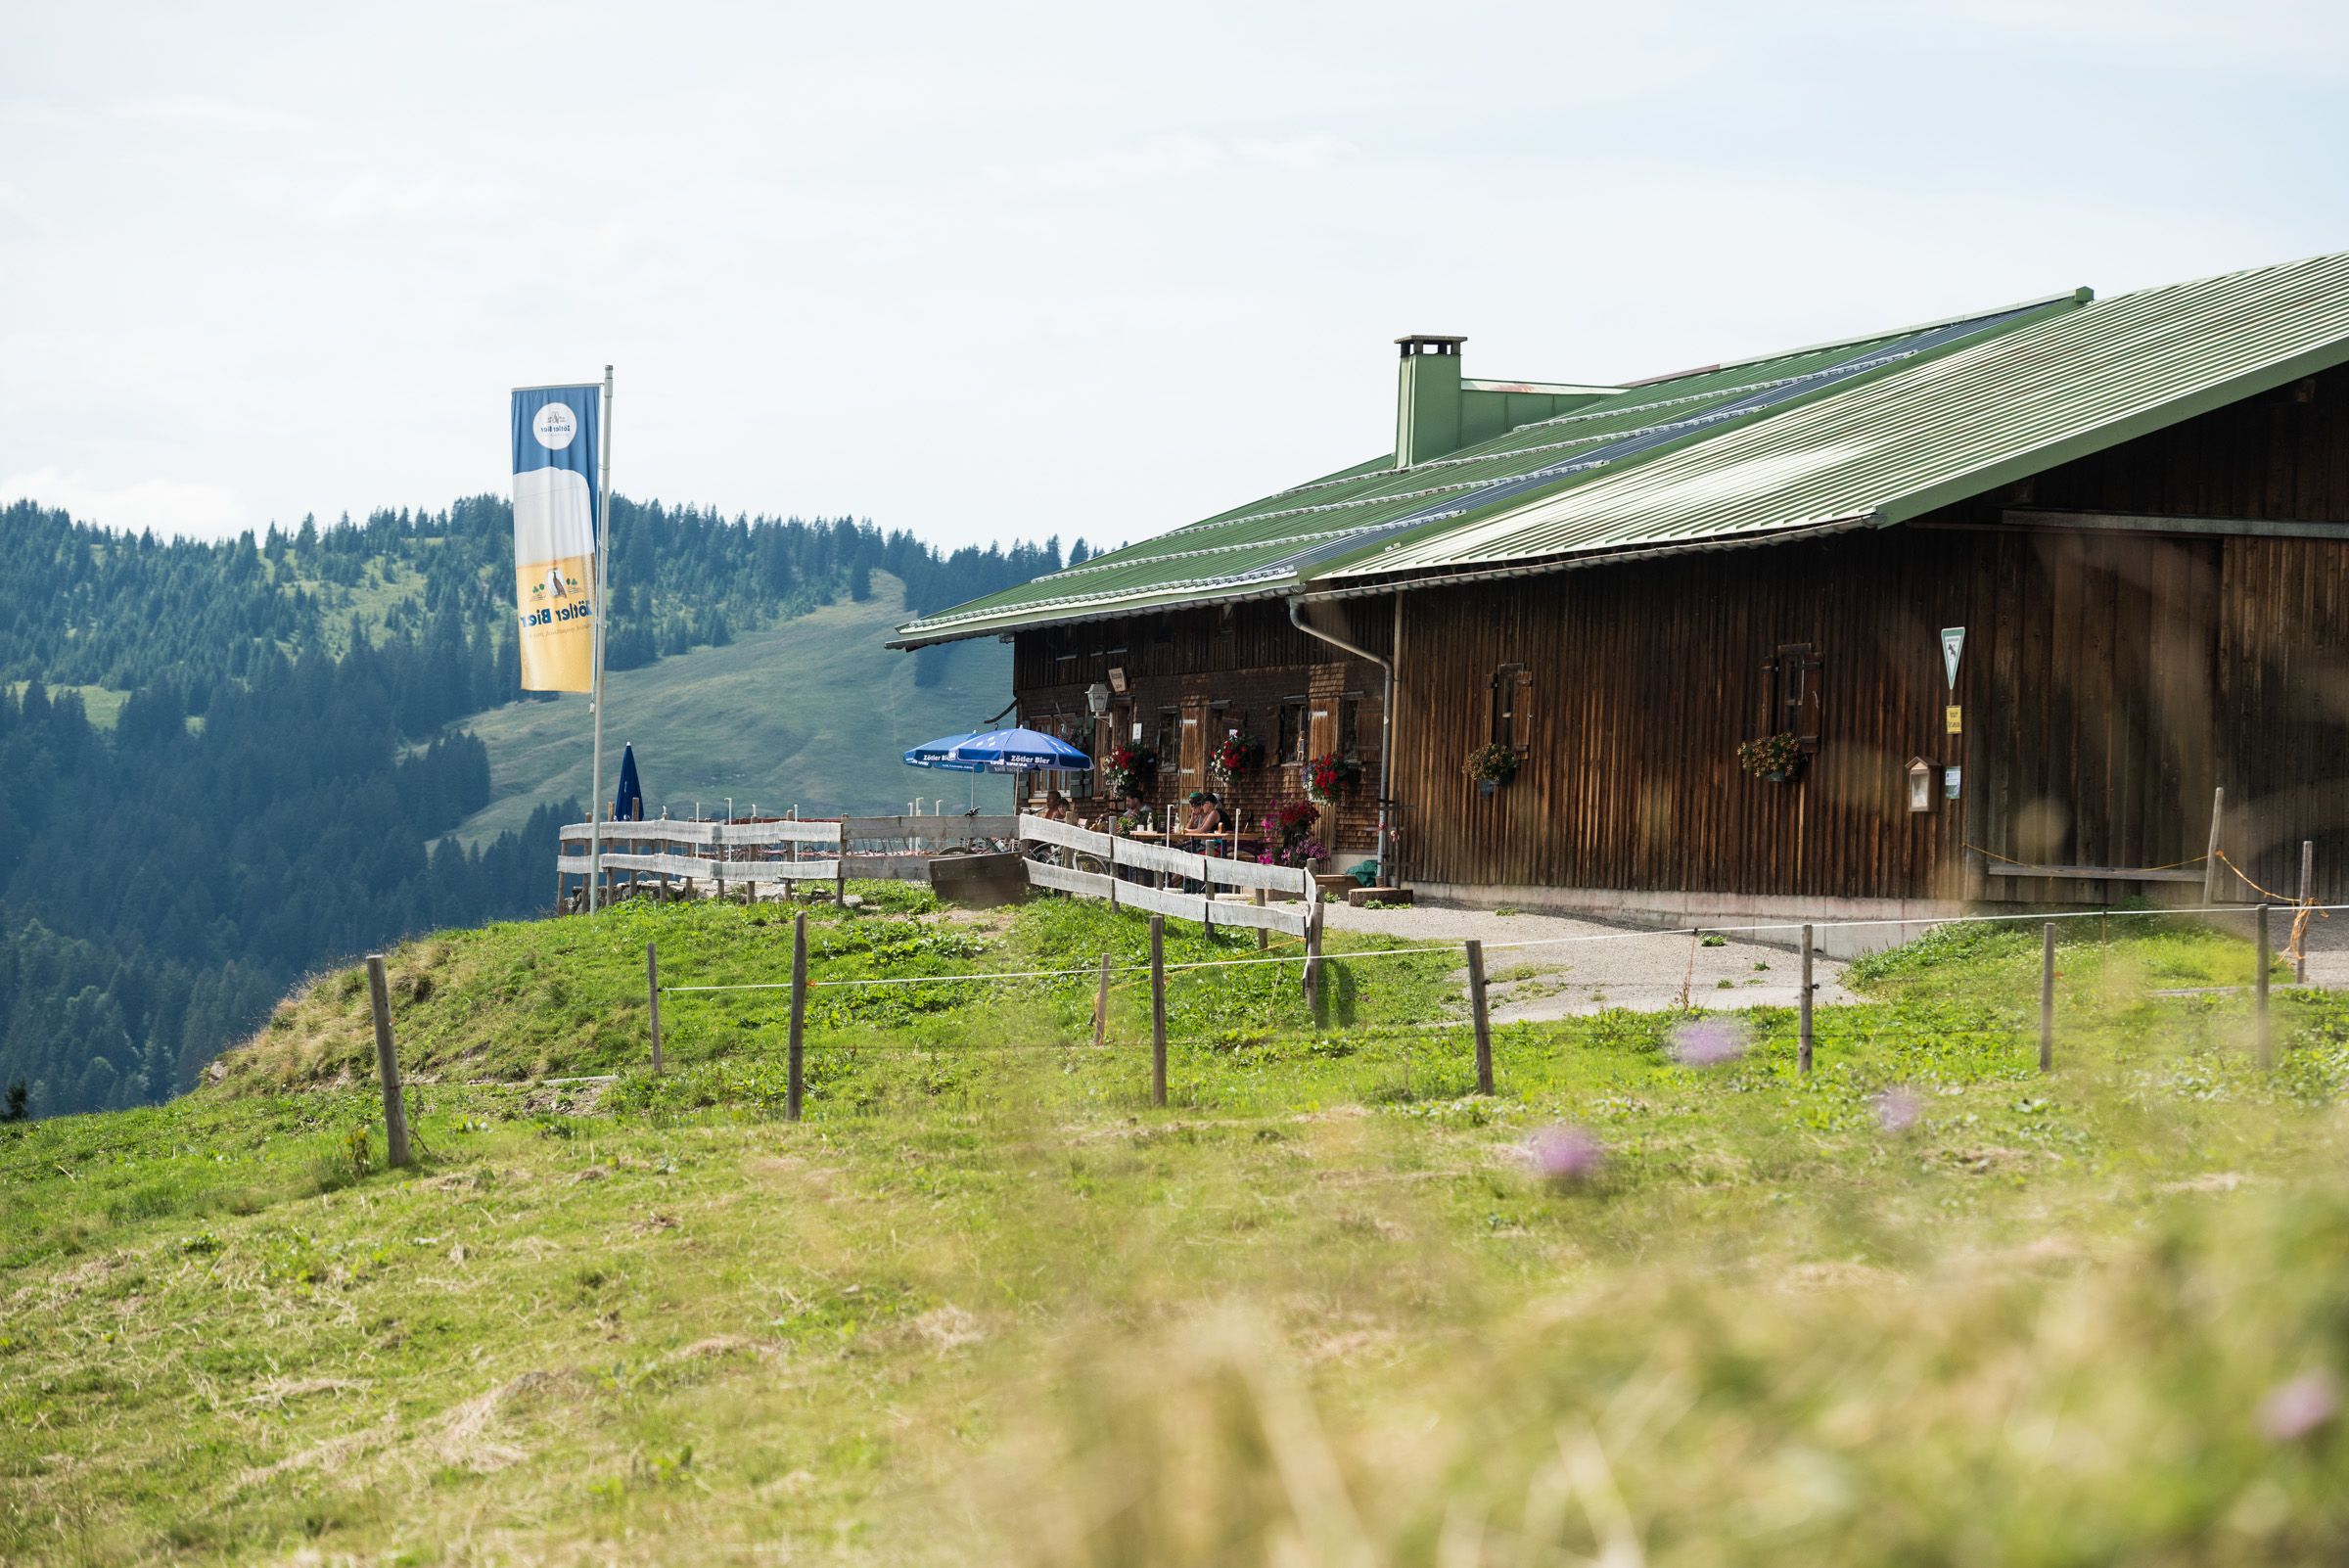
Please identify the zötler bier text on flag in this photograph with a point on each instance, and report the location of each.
(556, 577)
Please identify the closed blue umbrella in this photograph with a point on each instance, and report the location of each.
(628, 804)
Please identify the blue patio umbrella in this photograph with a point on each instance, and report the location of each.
(628, 804)
(1018, 750)
(939, 754)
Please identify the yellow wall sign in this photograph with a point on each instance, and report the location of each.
(1954, 719)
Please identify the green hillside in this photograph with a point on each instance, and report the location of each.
(815, 712)
(987, 1305)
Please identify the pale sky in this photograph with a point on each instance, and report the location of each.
(986, 271)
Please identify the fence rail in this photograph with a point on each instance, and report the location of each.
(1208, 872)
(747, 856)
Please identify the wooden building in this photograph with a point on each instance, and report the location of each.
(2027, 589)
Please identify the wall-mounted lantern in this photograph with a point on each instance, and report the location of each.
(1920, 784)
(1096, 699)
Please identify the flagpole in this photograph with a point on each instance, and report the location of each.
(603, 609)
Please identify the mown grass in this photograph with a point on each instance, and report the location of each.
(985, 1305)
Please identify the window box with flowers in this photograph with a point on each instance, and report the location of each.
(1491, 766)
(1325, 777)
(1128, 770)
(1773, 758)
(1234, 755)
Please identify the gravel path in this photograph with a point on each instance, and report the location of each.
(1601, 966)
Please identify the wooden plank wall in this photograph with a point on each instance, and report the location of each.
(1644, 678)
(1241, 669)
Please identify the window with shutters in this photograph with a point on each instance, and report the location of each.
(1791, 683)
(1170, 732)
(1296, 721)
(1513, 708)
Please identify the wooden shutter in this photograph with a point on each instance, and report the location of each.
(1105, 741)
(1521, 710)
(1192, 774)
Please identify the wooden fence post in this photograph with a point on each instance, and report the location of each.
(1158, 1009)
(1312, 951)
(1101, 1006)
(799, 1015)
(1475, 1007)
(387, 1063)
(840, 869)
(1802, 1047)
(651, 990)
(2047, 998)
(2210, 860)
(2263, 1029)
(2300, 926)
(1264, 937)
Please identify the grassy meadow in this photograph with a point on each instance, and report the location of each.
(814, 712)
(1661, 1300)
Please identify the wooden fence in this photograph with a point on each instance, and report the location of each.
(1210, 872)
(765, 858)
(730, 857)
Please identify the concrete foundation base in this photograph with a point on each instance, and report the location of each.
(1896, 921)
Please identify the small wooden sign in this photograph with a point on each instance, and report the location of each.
(1116, 679)
(1954, 719)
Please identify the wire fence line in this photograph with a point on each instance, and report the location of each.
(1090, 972)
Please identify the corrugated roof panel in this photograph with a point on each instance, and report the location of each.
(1295, 534)
(1936, 431)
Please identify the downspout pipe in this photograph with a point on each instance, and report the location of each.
(1386, 726)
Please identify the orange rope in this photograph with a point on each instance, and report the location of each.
(2293, 949)
(2088, 872)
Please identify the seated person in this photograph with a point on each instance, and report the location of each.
(1209, 817)
(1194, 805)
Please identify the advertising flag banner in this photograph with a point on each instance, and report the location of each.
(556, 580)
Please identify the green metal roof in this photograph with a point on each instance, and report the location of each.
(1929, 434)
(1836, 435)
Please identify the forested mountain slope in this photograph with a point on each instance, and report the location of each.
(289, 756)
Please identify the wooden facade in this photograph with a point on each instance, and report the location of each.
(2144, 627)
(1191, 676)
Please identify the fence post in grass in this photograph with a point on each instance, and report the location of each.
(2047, 998)
(1312, 951)
(2263, 1026)
(2210, 858)
(387, 1063)
(1101, 1006)
(1264, 937)
(1802, 1046)
(1158, 1009)
(2308, 885)
(799, 1015)
(1484, 1022)
(840, 869)
(652, 991)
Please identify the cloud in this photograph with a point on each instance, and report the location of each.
(17, 221)
(190, 109)
(416, 196)
(1178, 156)
(167, 506)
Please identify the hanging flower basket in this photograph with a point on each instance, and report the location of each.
(1234, 755)
(1326, 777)
(1491, 766)
(1773, 758)
(1130, 769)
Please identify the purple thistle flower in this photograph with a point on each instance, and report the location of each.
(1707, 1042)
(2299, 1407)
(1565, 1156)
(1897, 1109)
